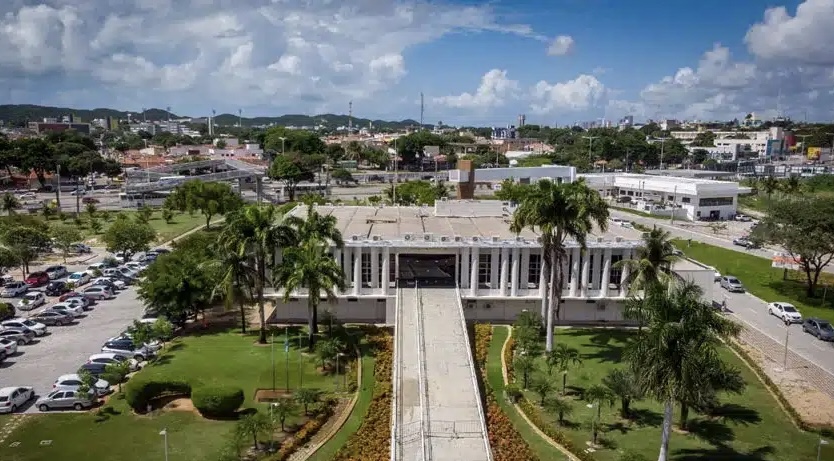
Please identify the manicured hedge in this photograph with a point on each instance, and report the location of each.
(140, 392)
(217, 401)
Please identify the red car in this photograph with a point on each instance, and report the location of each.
(71, 294)
(36, 279)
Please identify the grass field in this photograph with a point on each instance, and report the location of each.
(224, 357)
(747, 427)
(764, 281)
(180, 224)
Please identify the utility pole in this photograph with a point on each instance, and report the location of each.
(590, 146)
(804, 144)
(350, 118)
(662, 142)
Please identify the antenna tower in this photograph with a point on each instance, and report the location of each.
(240, 118)
(350, 117)
(422, 110)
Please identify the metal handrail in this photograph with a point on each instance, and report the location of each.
(425, 424)
(474, 378)
(396, 413)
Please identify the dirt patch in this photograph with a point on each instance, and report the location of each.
(269, 395)
(813, 406)
(180, 404)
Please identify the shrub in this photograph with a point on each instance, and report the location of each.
(140, 392)
(7, 311)
(217, 400)
(513, 393)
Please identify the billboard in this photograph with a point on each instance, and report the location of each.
(814, 153)
(774, 148)
(785, 261)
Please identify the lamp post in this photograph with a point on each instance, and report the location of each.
(593, 424)
(787, 337)
(338, 358)
(164, 434)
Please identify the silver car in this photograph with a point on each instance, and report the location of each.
(37, 327)
(731, 284)
(64, 399)
(18, 335)
(72, 382)
(12, 398)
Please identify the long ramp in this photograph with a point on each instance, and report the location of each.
(437, 407)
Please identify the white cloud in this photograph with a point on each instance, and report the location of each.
(561, 46)
(805, 37)
(494, 90)
(582, 93)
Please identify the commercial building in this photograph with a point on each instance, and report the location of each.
(50, 127)
(468, 244)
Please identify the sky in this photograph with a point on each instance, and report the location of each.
(476, 63)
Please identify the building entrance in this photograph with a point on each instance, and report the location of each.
(427, 270)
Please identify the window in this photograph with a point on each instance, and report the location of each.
(685, 199)
(392, 267)
(616, 274)
(535, 269)
(484, 269)
(590, 269)
(366, 268)
(715, 201)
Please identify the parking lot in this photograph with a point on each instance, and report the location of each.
(64, 348)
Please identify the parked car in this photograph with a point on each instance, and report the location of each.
(136, 266)
(109, 357)
(38, 328)
(31, 300)
(72, 382)
(80, 248)
(819, 328)
(95, 369)
(56, 272)
(36, 279)
(53, 318)
(743, 218)
(95, 268)
(128, 349)
(785, 311)
(98, 292)
(6, 279)
(68, 295)
(67, 309)
(64, 399)
(18, 335)
(87, 200)
(56, 288)
(14, 289)
(78, 278)
(12, 398)
(113, 284)
(8, 346)
(78, 301)
(731, 284)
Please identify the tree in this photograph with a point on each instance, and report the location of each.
(598, 395)
(543, 387)
(290, 170)
(558, 212)
(253, 425)
(235, 282)
(791, 185)
(128, 236)
(524, 365)
(308, 396)
(144, 213)
(168, 215)
(562, 408)
(622, 384)
(683, 338)
(805, 229)
(63, 236)
(22, 240)
(282, 409)
(769, 185)
(88, 383)
(342, 175)
(302, 141)
(512, 191)
(704, 139)
(10, 203)
(36, 155)
(562, 358)
(328, 350)
(178, 285)
(209, 198)
(116, 372)
(413, 193)
(95, 225)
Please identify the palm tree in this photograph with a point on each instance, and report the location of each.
(682, 340)
(562, 408)
(622, 384)
(310, 266)
(283, 409)
(769, 185)
(598, 395)
(524, 365)
(543, 387)
(328, 350)
(255, 231)
(559, 212)
(306, 397)
(791, 185)
(353, 151)
(254, 425)
(562, 358)
(10, 203)
(652, 262)
(235, 283)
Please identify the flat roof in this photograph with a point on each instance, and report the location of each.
(393, 223)
(689, 173)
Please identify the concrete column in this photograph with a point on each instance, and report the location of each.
(386, 270)
(596, 270)
(473, 272)
(505, 270)
(542, 281)
(515, 272)
(524, 272)
(493, 268)
(574, 273)
(347, 268)
(606, 272)
(586, 273)
(337, 255)
(357, 270)
(374, 267)
(625, 274)
(464, 267)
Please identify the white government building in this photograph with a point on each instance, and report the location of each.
(467, 243)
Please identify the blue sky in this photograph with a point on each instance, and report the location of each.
(476, 62)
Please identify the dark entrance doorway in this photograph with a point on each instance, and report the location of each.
(427, 270)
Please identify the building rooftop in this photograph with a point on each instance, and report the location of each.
(449, 223)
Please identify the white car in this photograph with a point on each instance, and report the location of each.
(69, 309)
(12, 398)
(785, 311)
(109, 357)
(37, 327)
(98, 292)
(108, 281)
(72, 382)
(95, 267)
(56, 272)
(136, 266)
(77, 301)
(78, 278)
(80, 248)
(14, 289)
(31, 300)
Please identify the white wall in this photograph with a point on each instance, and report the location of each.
(362, 310)
(572, 311)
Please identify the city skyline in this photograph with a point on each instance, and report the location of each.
(475, 63)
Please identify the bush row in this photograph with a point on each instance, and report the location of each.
(372, 441)
(217, 401)
(212, 401)
(505, 441)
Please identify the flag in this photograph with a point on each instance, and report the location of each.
(287, 345)
(163, 432)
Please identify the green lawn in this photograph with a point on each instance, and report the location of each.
(495, 377)
(182, 223)
(753, 202)
(223, 357)
(751, 426)
(764, 281)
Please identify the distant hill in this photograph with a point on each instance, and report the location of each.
(21, 113)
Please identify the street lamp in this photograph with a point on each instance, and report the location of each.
(593, 424)
(338, 357)
(787, 337)
(164, 434)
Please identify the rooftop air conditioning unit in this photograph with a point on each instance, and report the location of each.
(619, 239)
(444, 238)
(428, 237)
(519, 238)
(496, 239)
(487, 306)
(408, 237)
(458, 238)
(354, 238)
(471, 304)
(376, 238)
(329, 203)
(600, 239)
(444, 199)
(539, 239)
(475, 238)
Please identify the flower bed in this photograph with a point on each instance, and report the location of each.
(505, 441)
(303, 435)
(372, 441)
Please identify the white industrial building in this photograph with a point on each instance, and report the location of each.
(467, 244)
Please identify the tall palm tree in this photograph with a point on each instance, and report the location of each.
(310, 266)
(769, 185)
(562, 358)
(791, 185)
(255, 231)
(682, 340)
(623, 385)
(558, 212)
(10, 203)
(236, 281)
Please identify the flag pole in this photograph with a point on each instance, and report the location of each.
(287, 356)
(272, 347)
(300, 364)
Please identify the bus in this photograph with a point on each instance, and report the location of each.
(138, 200)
